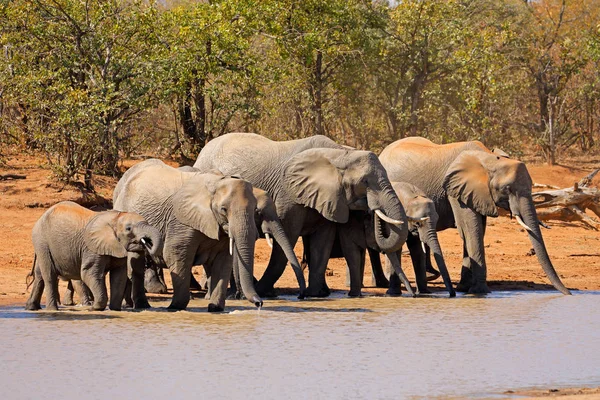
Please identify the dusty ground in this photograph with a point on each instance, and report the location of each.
(574, 249)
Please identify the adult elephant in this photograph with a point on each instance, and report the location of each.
(467, 183)
(268, 226)
(315, 183)
(206, 219)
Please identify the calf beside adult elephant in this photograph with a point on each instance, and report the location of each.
(315, 183)
(73, 242)
(467, 182)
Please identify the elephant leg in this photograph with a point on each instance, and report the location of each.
(277, 264)
(354, 256)
(136, 264)
(85, 296)
(466, 278)
(153, 281)
(221, 273)
(67, 298)
(418, 260)
(37, 288)
(431, 272)
(118, 282)
(207, 275)
(378, 278)
(320, 250)
(181, 272)
(394, 288)
(50, 281)
(127, 294)
(292, 227)
(194, 284)
(92, 275)
(471, 227)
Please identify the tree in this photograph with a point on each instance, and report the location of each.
(80, 70)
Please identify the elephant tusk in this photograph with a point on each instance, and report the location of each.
(544, 224)
(269, 240)
(387, 219)
(423, 247)
(412, 219)
(523, 224)
(230, 246)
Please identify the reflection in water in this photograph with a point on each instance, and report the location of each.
(373, 347)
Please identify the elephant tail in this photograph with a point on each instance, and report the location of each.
(30, 275)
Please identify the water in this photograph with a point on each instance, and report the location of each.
(374, 347)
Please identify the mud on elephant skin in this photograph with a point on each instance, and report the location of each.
(206, 219)
(315, 183)
(467, 183)
(73, 242)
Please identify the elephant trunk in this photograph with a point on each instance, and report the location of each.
(395, 261)
(243, 232)
(389, 236)
(527, 212)
(152, 240)
(284, 243)
(429, 237)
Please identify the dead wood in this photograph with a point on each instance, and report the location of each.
(570, 204)
(11, 176)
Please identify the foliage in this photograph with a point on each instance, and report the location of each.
(88, 82)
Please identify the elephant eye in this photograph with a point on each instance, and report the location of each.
(128, 228)
(224, 209)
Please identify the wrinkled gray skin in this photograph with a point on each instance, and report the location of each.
(84, 293)
(315, 183)
(423, 219)
(352, 240)
(198, 214)
(467, 184)
(267, 222)
(73, 242)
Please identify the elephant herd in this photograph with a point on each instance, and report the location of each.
(343, 202)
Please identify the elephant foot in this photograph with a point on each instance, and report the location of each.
(381, 283)
(423, 291)
(114, 308)
(319, 292)
(267, 293)
(141, 305)
(393, 292)
(156, 287)
(68, 301)
(480, 288)
(463, 287)
(354, 293)
(432, 274)
(51, 307)
(33, 306)
(215, 308)
(236, 296)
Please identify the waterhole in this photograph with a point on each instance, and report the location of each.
(373, 347)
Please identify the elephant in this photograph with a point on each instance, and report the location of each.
(314, 182)
(422, 222)
(268, 226)
(73, 242)
(206, 219)
(467, 183)
(357, 235)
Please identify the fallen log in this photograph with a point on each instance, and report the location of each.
(570, 204)
(11, 176)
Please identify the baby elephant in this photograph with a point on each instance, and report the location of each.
(73, 242)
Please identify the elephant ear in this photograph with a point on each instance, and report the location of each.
(192, 204)
(100, 236)
(468, 181)
(312, 180)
